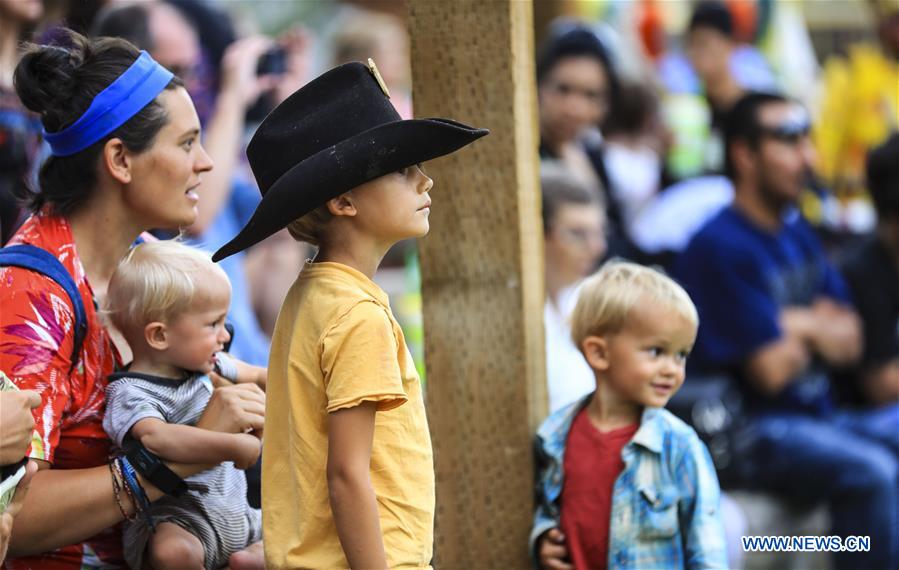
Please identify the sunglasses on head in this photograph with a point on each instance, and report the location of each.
(790, 131)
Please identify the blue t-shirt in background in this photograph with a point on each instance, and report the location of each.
(740, 277)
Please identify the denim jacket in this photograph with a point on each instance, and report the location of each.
(665, 503)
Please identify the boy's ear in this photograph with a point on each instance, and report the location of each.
(596, 351)
(117, 160)
(342, 205)
(156, 336)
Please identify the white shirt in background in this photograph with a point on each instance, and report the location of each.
(568, 376)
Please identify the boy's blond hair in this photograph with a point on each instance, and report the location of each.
(157, 281)
(310, 227)
(607, 296)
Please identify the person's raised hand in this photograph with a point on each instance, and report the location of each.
(16, 423)
(239, 63)
(297, 43)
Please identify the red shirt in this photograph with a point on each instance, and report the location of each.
(592, 464)
(36, 342)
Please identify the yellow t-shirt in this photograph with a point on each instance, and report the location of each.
(336, 344)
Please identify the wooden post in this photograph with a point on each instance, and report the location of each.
(482, 277)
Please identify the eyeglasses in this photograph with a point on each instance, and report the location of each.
(564, 89)
(579, 236)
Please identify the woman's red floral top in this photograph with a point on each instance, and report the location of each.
(36, 342)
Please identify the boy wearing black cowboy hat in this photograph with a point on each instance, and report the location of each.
(348, 476)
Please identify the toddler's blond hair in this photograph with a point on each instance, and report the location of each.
(608, 296)
(157, 281)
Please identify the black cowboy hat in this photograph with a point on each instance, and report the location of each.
(333, 134)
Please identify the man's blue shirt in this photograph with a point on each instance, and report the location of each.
(740, 276)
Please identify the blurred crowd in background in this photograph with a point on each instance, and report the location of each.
(634, 104)
(672, 82)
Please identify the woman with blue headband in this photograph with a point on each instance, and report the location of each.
(125, 157)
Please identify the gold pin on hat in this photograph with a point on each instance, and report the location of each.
(374, 71)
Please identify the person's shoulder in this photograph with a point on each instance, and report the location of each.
(17, 280)
(35, 309)
(725, 225)
(326, 299)
(46, 231)
(328, 284)
(681, 439)
(723, 238)
(52, 234)
(360, 315)
(122, 391)
(673, 426)
(132, 384)
(365, 310)
(796, 225)
(679, 435)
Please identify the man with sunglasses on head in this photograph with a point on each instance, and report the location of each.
(776, 317)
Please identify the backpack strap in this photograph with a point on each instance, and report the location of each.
(42, 261)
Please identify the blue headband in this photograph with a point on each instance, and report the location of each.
(112, 107)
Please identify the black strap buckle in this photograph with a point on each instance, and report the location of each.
(153, 469)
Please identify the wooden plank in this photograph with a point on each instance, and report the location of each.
(482, 277)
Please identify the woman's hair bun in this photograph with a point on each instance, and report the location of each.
(46, 79)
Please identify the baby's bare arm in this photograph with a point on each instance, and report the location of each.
(250, 374)
(246, 374)
(188, 444)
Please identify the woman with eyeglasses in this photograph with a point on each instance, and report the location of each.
(576, 89)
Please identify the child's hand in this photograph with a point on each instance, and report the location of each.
(551, 550)
(234, 409)
(246, 450)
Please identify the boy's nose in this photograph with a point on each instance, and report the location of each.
(671, 368)
(426, 185)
